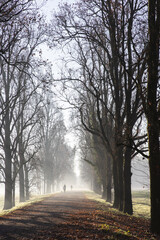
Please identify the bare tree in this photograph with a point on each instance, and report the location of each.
(152, 111)
(55, 154)
(106, 30)
(9, 11)
(17, 88)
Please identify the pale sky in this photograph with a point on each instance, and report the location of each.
(47, 9)
(53, 4)
(54, 56)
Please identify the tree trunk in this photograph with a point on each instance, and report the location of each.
(21, 171)
(109, 180)
(120, 177)
(152, 112)
(115, 182)
(48, 186)
(26, 182)
(8, 188)
(8, 165)
(154, 162)
(21, 185)
(14, 185)
(104, 193)
(127, 205)
(96, 184)
(21, 158)
(13, 195)
(8, 181)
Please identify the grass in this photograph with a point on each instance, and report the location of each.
(140, 199)
(18, 205)
(141, 208)
(141, 203)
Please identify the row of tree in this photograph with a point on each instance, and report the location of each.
(114, 46)
(32, 130)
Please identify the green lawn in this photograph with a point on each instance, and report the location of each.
(141, 203)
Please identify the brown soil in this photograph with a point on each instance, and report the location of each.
(71, 215)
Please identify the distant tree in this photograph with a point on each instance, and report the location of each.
(55, 154)
(88, 164)
(63, 162)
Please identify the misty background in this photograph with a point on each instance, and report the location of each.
(42, 109)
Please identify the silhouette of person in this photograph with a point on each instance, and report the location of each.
(64, 188)
(71, 187)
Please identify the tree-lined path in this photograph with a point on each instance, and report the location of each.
(71, 215)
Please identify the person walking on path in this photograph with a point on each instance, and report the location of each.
(64, 188)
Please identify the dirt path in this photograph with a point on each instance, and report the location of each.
(70, 216)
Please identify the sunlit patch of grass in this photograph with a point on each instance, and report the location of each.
(32, 200)
(94, 196)
(105, 227)
(141, 210)
(106, 206)
(141, 203)
(115, 232)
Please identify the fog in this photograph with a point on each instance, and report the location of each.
(57, 122)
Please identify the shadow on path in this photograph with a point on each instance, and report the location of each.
(64, 216)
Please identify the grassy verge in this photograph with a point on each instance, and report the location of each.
(141, 202)
(118, 225)
(18, 205)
